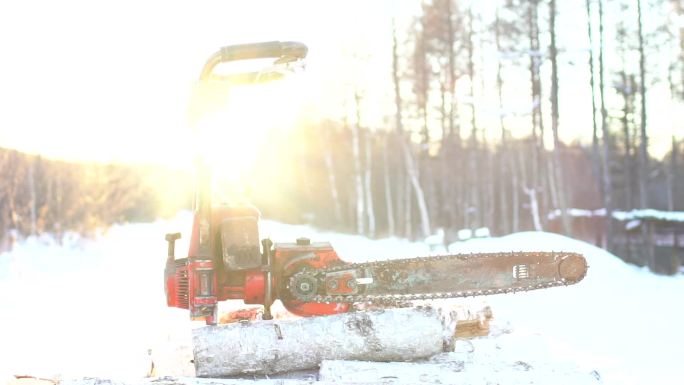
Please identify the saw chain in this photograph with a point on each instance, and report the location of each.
(436, 277)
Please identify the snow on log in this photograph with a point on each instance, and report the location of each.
(267, 347)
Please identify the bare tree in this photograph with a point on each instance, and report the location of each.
(368, 177)
(598, 170)
(389, 207)
(358, 178)
(332, 176)
(537, 179)
(671, 175)
(626, 89)
(399, 129)
(475, 185)
(607, 178)
(643, 147)
(558, 165)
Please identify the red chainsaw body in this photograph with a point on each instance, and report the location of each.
(234, 269)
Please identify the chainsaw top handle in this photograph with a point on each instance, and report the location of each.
(282, 52)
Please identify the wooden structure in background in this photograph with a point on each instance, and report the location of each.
(650, 238)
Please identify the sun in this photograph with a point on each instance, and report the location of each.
(230, 123)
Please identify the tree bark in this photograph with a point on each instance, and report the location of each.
(671, 176)
(515, 187)
(452, 71)
(266, 347)
(358, 179)
(414, 179)
(558, 164)
(504, 163)
(332, 179)
(399, 129)
(32, 195)
(537, 179)
(627, 141)
(643, 148)
(596, 161)
(475, 187)
(534, 208)
(389, 206)
(408, 200)
(607, 177)
(368, 188)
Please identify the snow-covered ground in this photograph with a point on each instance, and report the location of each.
(94, 308)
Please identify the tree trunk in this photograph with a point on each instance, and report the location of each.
(414, 178)
(671, 175)
(452, 71)
(643, 148)
(370, 211)
(391, 230)
(558, 164)
(596, 161)
(503, 155)
(515, 187)
(534, 208)
(408, 199)
(607, 178)
(475, 187)
(536, 177)
(358, 180)
(399, 130)
(627, 142)
(266, 347)
(32, 194)
(332, 179)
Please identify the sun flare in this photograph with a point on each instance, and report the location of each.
(231, 122)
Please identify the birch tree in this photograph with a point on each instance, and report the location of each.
(358, 178)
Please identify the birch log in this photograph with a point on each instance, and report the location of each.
(267, 347)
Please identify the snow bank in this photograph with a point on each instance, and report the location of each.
(669, 216)
(94, 308)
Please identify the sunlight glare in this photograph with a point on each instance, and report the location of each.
(231, 123)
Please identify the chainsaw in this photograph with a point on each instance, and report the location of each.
(227, 260)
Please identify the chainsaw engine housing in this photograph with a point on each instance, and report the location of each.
(237, 267)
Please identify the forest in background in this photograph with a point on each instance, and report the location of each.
(39, 196)
(442, 161)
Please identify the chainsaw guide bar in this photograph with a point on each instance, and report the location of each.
(436, 277)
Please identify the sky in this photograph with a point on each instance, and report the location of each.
(111, 81)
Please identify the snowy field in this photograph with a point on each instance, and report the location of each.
(95, 308)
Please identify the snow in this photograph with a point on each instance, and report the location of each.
(669, 216)
(94, 308)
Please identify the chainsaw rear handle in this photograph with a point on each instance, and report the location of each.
(285, 51)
